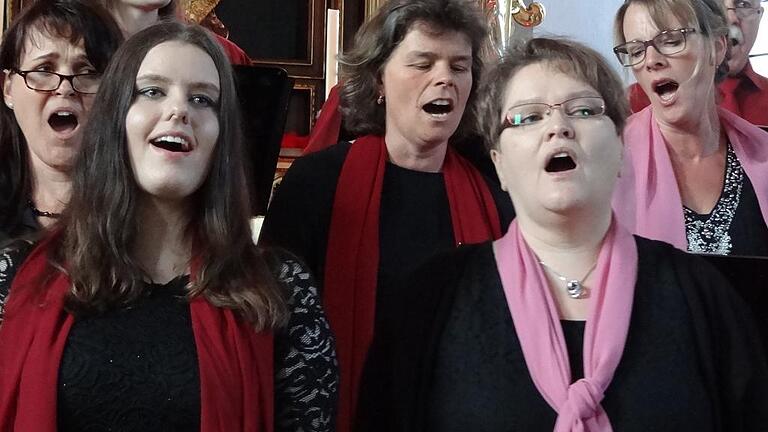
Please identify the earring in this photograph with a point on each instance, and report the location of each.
(380, 100)
(9, 105)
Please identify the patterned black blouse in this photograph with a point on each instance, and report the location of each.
(735, 226)
(137, 368)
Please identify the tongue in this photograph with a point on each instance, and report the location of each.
(666, 91)
(63, 123)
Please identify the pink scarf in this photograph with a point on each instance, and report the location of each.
(538, 327)
(647, 199)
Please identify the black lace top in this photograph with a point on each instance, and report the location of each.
(137, 369)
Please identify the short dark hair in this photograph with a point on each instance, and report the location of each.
(361, 68)
(72, 20)
(567, 56)
(706, 16)
(102, 219)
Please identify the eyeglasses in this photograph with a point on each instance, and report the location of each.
(533, 114)
(744, 9)
(666, 43)
(86, 83)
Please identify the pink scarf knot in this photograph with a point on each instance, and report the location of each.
(537, 324)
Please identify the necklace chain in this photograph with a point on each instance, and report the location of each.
(574, 287)
(40, 213)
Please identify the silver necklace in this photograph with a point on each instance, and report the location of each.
(574, 287)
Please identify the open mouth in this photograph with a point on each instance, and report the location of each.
(438, 107)
(172, 144)
(560, 162)
(666, 89)
(735, 36)
(63, 121)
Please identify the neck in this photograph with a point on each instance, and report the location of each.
(695, 140)
(132, 19)
(50, 191)
(162, 247)
(568, 244)
(427, 157)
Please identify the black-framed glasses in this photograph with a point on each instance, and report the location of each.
(666, 43)
(534, 114)
(86, 83)
(744, 9)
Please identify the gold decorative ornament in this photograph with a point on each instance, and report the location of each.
(511, 20)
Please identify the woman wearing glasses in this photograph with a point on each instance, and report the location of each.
(52, 58)
(694, 175)
(568, 322)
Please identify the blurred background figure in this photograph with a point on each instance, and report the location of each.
(52, 58)
(695, 175)
(744, 92)
(135, 15)
(363, 215)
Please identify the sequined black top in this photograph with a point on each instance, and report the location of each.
(735, 226)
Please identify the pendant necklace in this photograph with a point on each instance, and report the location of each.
(574, 287)
(39, 213)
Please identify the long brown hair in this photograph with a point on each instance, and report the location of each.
(102, 219)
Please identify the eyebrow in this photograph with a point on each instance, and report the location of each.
(583, 93)
(431, 55)
(198, 85)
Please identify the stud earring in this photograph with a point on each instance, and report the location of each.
(9, 105)
(380, 100)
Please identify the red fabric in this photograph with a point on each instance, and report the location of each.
(236, 370)
(352, 259)
(326, 131)
(745, 95)
(236, 54)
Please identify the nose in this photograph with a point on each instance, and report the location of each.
(731, 17)
(65, 88)
(559, 125)
(654, 59)
(444, 75)
(178, 108)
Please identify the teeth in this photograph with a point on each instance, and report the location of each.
(560, 155)
(174, 139)
(441, 102)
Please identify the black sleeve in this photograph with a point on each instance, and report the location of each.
(299, 215)
(732, 357)
(306, 370)
(11, 258)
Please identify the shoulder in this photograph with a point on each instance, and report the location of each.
(329, 159)
(235, 54)
(295, 276)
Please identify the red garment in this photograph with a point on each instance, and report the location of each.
(328, 126)
(236, 370)
(236, 54)
(745, 94)
(352, 260)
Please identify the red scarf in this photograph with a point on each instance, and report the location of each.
(352, 260)
(236, 371)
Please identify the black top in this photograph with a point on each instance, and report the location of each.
(415, 218)
(446, 356)
(22, 227)
(735, 226)
(136, 369)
